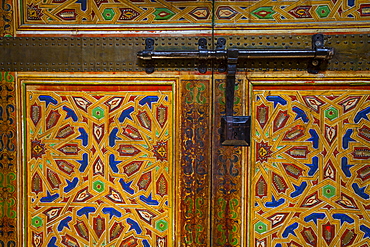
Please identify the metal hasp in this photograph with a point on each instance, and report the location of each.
(235, 130)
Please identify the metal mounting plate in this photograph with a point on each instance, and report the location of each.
(352, 52)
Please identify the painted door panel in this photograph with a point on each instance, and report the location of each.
(309, 166)
(99, 163)
(102, 165)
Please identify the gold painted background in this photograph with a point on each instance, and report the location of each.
(99, 164)
(310, 162)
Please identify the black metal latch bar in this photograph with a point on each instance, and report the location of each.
(316, 54)
(236, 129)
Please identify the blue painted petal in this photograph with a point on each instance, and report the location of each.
(299, 189)
(134, 226)
(314, 138)
(346, 167)
(274, 203)
(84, 162)
(84, 137)
(83, 4)
(113, 137)
(126, 186)
(64, 223)
(314, 166)
(49, 197)
(86, 211)
(148, 100)
(300, 114)
(70, 114)
(290, 230)
(126, 114)
(278, 245)
(362, 114)
(146, 243)
(347, 138)
(366, 230)
(71, 185)
(360, 191)
(314, 217)
(52, 242)
(148, 200)
(343, 218)
(113, 163)
(112, 212)
(48, 99)
(276, 100)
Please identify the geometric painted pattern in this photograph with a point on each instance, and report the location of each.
(102, 12)
(99, 165)
(262, 12)
(8, 163)
(195, 160)
(188, 14)
(310, 165)
(6, 11)
(228, 174)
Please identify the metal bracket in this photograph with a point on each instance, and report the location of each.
(149, 46)
(236, 129)
(315, 63)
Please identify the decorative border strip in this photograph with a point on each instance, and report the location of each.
(195, 122)
(8, 161)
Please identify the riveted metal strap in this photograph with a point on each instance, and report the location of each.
(352, 52)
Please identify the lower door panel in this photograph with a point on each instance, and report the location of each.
(135, 160)
(99, 163)
(310, 165)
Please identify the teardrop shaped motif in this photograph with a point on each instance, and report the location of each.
(53, 179)
(64, 132)
(144, 120)
(162, 112)
(279, 183)
(309, 236)
(36, 184)
(132, 133)
(52, 119)
(262, 115)
(99, 225)
(261, 187)
(144, 181)
(35, 113)
(280, 120)
(161, 185)
(82, 230)
(82, 103)
(294, 133)
(349, 103)
(65, 166)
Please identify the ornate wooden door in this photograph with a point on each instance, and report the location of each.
(96, 152)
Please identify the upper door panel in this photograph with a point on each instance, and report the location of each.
(291, 14)
(112, 15)
(76, 17)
